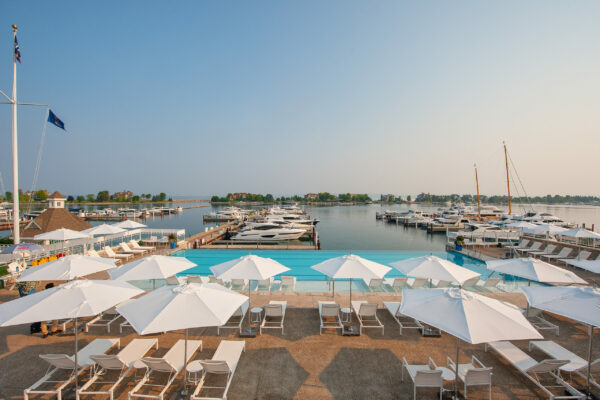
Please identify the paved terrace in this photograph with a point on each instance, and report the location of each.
(302, 364)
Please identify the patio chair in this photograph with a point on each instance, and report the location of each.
(536, 318)
(239, 284)
(423, 375)
(582, 256)
(104, 319)
(212, 279)
(173, 280)
(472, 374)
(136, 246)
(264, 285)
(196, 279)
(375, 285)
(549, 250)
(111, 253)
(564, 253)
(65, 363)
(169, 365)
(396, 284)
(535, 371)
(236, 319)
(288, 283)
(224, 362)
(126, 249)
(536, 246)
(489, 283)
(417, 283)
(274, 315)
(404, 322)
(367, 315)
(442, 284)
(329, 315)
(469, 283)
(122, 363)
(94, 253)
(524, 244)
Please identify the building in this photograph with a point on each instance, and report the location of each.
(126, 195)
(238, 196)
(53, 218)
(311, 196)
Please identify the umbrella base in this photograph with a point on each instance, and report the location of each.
(350, 330)
(248, 332)
(451, 395)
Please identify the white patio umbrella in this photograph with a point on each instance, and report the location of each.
(467, 316)
(520, 225)
(581, 304)
(151, 267)
(534, 269)
(433, 267)
(589, 265)
(104, 229)
(580, 233)
(184, 306)
(76, 299)
(129, 224)
(351, 266)
(61, 234)
(249, 267)
(545, 228)
(67, 268)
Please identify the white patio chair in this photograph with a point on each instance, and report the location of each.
(237, 318)
(423, 375)
(224, 362)
(404, 322)
(473, 374)
(329, 315)
(274, 315)
(367, 315)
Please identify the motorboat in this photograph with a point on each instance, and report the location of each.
(268, 234)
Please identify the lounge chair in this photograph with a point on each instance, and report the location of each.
(111, 253)
(94, 253)
(536, 318)
(63, 362)
(212, 279)
(367, 315)
(524, 244)
(121, 362)
(236, 320)
(196, 279)
(264, 285)
(423, 375)
(239, 284)
(170, 365)
(274, 315)
(582, 256)
(472, 374)
(174, 280)
(576, 364)
(536, 246)
(126, 249)
(375, 285)
(136, 246)
(417, 283)
(329, 314)
(489, 283)
(403, 321)
(469, 283)
(104, 319)
(288, 282)
(549, 250)
(396, 284)
(441, 283)
(535, 371)
(565, 252)
(224, 362)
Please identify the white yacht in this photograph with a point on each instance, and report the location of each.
(268, 234)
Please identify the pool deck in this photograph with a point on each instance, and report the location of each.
(302, 364)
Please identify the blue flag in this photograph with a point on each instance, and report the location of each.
(17, 51)
(53, 119)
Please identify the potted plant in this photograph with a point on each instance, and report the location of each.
(459, 242)
(173, 240)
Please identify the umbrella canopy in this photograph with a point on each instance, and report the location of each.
(67, 268)
(580, 233)
(545, 228)
(468, 316)
(589, 265)
(351, 266)
(520, 225)
(152, 267)
(103, 229)
(169, 307)
(534, 270)
(80, 298)
(61, 234)
(248, 267)
(432, 267)
(129, 224)
(22, 248)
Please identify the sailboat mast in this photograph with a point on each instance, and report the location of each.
(507, 179)
(15, 150)
(478, 201)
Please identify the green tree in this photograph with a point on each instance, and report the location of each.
(269, 198)
(80, 199)
(103, 196)
(409, 198)
(90, 198)
(70, 198)
(41, 195)
(9, 197)
(135, 199)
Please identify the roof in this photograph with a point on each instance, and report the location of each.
(53, 219)
(57, 195)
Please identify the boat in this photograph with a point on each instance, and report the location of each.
(268, 234)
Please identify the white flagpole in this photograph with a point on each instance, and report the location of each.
(16, 225)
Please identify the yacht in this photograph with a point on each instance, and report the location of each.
(268, 234)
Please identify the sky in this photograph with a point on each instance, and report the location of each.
(289, 97)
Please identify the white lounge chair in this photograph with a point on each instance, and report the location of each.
(375, 285)
(536, 246)
(136, 246)
(469, 283)
(582, 256)
(236, 320)
(403, 321)
(576, 364)
(196, 279)
(121, 363)
(417, 283)
(212, 279)
(239, 284)
(396, 284)
(94, 253)
(441, 283)
(536, 318)
(329, 314)
(264, 285)
(104, 319)
(565, 252)
(224, 362)
(524, 244)
(535, 371)
(170, 365)
(367, 315)
(489, 283)
(63, 362)
(174, 280)
(423, 375)
(549, 250)
(473, 374)
(126, 249)
(111, 253)
(288, 283)
(274, 315)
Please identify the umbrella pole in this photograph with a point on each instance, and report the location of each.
(456, 370)
(184, 391)
(76, 361)
(589, 366)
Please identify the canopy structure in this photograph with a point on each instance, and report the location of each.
(534, 269)
(545, 228)
(588, 265)
(104, 229)
(67, 268)
(129, 224)
(581, 304)
(22, 248)
(580, 233)
(520, 225)
(467, 316)
(151, 267)
(433, 267)
(61, 234)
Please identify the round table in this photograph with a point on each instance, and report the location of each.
(447, 374)
(256, 315)
(194, 368)
(346, 314)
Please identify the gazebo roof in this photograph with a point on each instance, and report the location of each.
(52, 219)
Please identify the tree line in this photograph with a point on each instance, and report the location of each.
(323, 197)
(496, 199)
(103, 196)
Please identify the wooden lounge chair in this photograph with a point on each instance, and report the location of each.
(472, 374)
(224, 362)
(65, 363)
(111, 253)
(168, 366)
(126, 249)
(403, 321)
(329, 314)
(121, 363)
(565, 252)
(536, 318)
(274, 315)
(554, 388)
(367, 315)
(423, 375)
(236, 320)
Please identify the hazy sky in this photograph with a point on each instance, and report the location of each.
(196, 98)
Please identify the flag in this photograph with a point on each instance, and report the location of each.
(17, 52)
(53, 119)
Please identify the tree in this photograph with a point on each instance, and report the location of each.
(409, 198)
(162, 196)
(90, 198)
(80, 199)
(9, 197)
(41, 195)
(135, 199)
(103, 196)
(70, 198)
(269, 198)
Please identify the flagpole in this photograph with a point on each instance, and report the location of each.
(15, 152)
